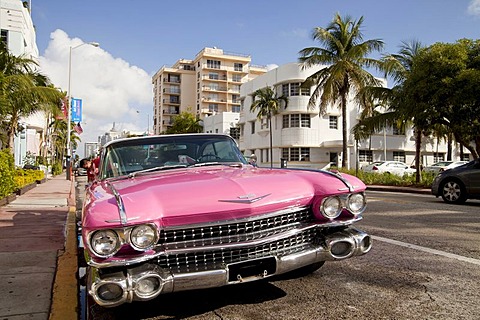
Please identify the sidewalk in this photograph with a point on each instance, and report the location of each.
(37, 238)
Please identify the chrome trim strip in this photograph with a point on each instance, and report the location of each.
(121, 207)
(350, 187)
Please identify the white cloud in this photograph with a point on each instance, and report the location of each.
(295, 33)
(112, 90)
(474, 8)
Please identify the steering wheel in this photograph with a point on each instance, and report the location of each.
(208, 155)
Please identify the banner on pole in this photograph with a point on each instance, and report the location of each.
(76, 109)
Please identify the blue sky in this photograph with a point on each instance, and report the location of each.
(138, 37)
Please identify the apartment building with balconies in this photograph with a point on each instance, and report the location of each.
(206, 85)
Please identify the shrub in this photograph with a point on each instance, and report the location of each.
(57, 168)
(7, 173)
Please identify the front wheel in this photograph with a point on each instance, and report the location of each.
(453, 192)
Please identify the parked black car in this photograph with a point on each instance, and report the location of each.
(458, 184)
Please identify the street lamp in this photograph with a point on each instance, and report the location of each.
(69, 120)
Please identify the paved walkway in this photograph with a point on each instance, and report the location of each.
(37, 238)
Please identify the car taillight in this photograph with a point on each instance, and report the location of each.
(374, 168)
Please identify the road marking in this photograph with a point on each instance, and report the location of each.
(428, 250)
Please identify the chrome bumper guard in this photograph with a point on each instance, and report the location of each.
(147, 281)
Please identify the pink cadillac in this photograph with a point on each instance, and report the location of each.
(181, 212)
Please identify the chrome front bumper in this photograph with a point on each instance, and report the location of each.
(147, 281)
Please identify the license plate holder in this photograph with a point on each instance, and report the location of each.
(251, 269)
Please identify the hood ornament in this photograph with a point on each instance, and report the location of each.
(248, 198)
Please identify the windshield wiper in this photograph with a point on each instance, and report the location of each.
(176, 166)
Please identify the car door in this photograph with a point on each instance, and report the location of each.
(473, 178)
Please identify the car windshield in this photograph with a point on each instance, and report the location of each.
(146, 154)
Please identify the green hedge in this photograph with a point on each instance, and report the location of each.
(387, 179)
(7, 173)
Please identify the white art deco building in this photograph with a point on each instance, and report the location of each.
(304, 138)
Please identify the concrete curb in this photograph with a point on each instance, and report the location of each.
(398, 189)
(65, 293)
(65, 289)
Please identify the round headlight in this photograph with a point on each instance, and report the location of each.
(105, 243)
(331, 207)
(356, 203)
(143, 236)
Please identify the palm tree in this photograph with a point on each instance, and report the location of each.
(185, 122)
(268, 105)
(399, 109)
(23, 91)
(344, 53)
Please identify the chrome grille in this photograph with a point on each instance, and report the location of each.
(207, 260)
(229, 231)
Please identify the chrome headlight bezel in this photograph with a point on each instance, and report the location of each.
(356, 203)
(99, 238)
(331, 207)
(149, 231)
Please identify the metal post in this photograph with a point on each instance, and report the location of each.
(69, 110)
(69, 117)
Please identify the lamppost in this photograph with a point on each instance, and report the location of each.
(69, 120)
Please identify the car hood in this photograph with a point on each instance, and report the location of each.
(200, 195)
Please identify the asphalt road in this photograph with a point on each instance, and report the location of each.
(424, 264)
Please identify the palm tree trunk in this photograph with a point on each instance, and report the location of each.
(271, 141)
(344, 131)
(418, 143)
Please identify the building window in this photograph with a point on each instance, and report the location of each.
(305, 120)
(304, 91)
(437, 157)
(264, 123)
(213, 64)
(285, 90)
(365, 156)
(238, 66)
(235, 108)
(333, 122)
(235, 98)
(296, 154)
(213, 107)
(296, 121)
(399, 156)
(252, 126)
(213, 76)
(294, 89)
(235, 132)
(237, 78)
(213, 86)
(4, 37)
(465, 157)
